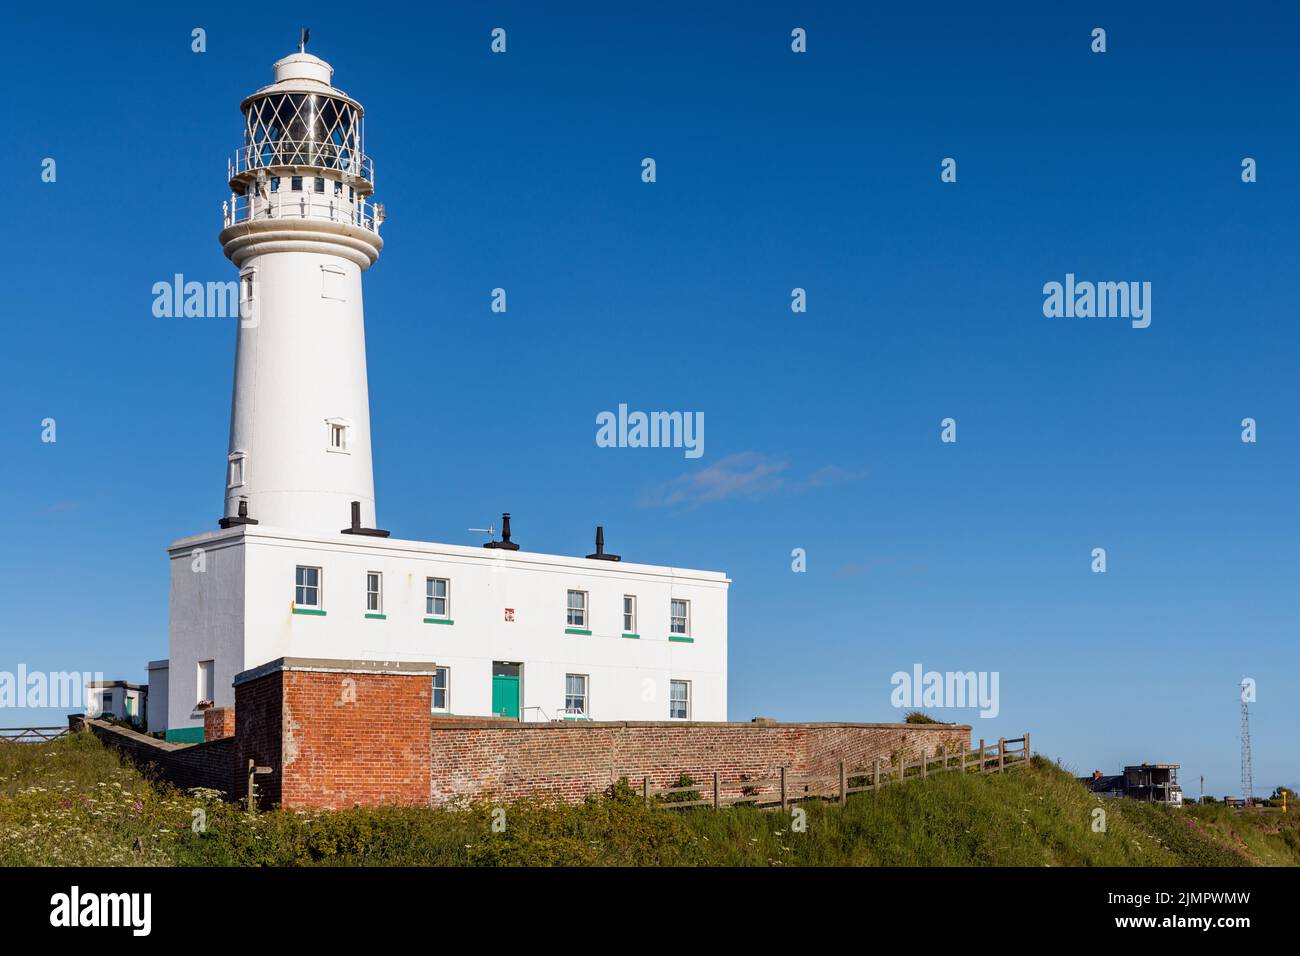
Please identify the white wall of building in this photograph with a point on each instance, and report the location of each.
(157, 709)
(250, 580)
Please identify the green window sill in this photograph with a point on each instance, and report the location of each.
(678, 639)
(577, 630)
(438, 620)
(634, 637)
(376, 617)
(308, 610)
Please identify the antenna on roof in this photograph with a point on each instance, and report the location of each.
(306, 35)
(490, 531)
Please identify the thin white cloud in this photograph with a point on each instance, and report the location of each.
(747, 474)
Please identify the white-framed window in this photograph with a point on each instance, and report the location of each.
(577, 609)
(207, 688)
(106, 705)
(306, 591)
(333, 283)
(437, 597)
(247, 285)
(336, 435)
(679, 699)
(575, 694)
(374, 592)
(681, 618)
(441, 689)
(235, 479)
(629, 613)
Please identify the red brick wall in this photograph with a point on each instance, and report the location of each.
(352, 738)
(473, 759)
(258, 736)
(218, 723)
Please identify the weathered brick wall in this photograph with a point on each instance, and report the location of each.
(183, 765)
(344, 739)
(259, 731)
(473, 759)
(218, 722)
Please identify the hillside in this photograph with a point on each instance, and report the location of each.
(72, 802)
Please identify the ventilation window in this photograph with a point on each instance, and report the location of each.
(236, 476)
(319, 185)
(275, 184)
(295, 183)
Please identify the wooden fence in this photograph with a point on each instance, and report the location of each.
(31, 735)
(783, 789)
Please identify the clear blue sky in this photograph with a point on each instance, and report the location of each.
(775, 170)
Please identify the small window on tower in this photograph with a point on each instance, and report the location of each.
(295, 183)
(338, 188)
(275, 184)
(236, 471)
(352, 194)
(332, 281)
(337, 436)
(319, 185)
(246, 286)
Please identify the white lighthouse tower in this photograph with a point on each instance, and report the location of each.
(301, 228)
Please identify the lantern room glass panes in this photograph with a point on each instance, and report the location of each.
(304, 129)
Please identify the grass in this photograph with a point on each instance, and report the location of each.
(72, 802)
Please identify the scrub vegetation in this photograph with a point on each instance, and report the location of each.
(74, 802)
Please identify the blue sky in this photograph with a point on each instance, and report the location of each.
(775, 170)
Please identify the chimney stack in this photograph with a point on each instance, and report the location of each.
(505, 543)
(600, 554)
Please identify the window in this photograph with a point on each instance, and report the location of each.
(437, 601)
(681, 614)
(352, 194)
(374, 592)
(307, 587)
(337, 436)
(440, 696)
(106, 705)
(207, 681)
(247, 285)
(236, 470)
(319, 185)
(338, 189)
(575, 694)
(679, 699)
(275, 184)
(295, 183)
(577, 609)
(629, 613)
(332, 283)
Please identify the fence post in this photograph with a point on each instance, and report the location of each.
(875, 776)
(783, 798)
(844, 784)
(645, 790)
(981, 766)
(1002, 754)
(716, 790)
(924, 772)
(1027, 752)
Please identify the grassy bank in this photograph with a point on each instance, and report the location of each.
(73, 802)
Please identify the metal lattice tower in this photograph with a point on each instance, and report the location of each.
(1247, 774)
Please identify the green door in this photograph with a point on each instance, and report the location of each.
(505, 690)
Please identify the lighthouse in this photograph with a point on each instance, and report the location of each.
(301, 227)
(296, 575)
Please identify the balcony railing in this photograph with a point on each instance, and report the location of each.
(286, 152)
(304, 205)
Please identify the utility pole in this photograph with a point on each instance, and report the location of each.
(1247, 773)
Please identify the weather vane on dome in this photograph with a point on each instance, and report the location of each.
(306, 35)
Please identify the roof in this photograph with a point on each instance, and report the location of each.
(1103, 784)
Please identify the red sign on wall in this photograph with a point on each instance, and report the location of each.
(510, 614)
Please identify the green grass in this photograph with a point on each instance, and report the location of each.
(72, 802)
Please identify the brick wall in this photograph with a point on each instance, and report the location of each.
(344, 733)
(218, 722)
(473, 759)
(183, 765)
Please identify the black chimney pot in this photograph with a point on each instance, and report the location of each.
(600, 554)
(505, 543)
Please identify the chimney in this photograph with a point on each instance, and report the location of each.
(600, 554)
(241, 516)
(356, 525)
(505, 543)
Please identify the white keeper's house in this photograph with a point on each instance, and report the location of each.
(298, 567)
